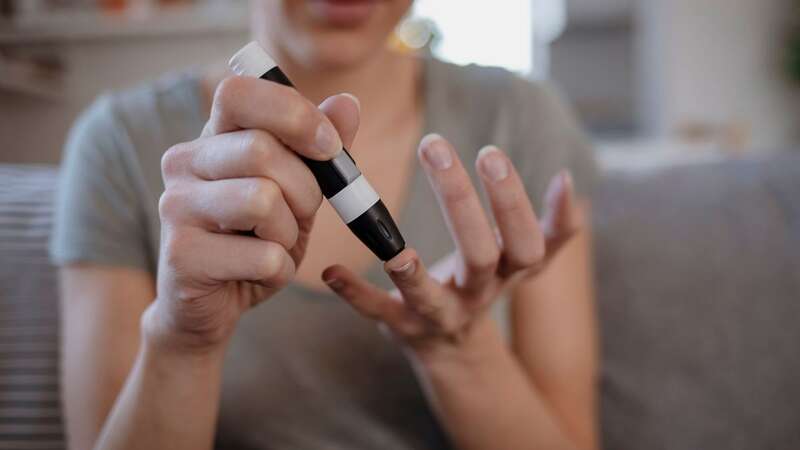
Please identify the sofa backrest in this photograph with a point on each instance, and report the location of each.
(30, 412)
(698, 276)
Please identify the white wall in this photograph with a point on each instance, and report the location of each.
(717, 61)
(593, 63)
(33, 129)
(595, 69)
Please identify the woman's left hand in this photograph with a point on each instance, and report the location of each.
(437, 310)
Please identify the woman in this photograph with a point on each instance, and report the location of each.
(199, 366)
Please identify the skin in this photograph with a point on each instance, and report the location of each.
(148, 376)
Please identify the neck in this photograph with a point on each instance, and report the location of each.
(366, 80)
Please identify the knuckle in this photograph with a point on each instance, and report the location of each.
(282, 276)
(260, 197)
(512, 265)
(303, 118)
(227, 89)
(226, 96)
(174, 160)
(172, 248)
(525, 256)
(287, 236)
(523, 262)
(316, 195)
(294, 235)
(169, 204)
(270, 267)
(538, 251)
(311, 201)
(429, 310)
(257, 145)
(485, 262)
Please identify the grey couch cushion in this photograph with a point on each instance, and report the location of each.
(29, 401)
(698, 274)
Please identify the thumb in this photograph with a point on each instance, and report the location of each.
(343, 110)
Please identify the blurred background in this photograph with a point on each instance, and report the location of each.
(654, 81)
(693, 109)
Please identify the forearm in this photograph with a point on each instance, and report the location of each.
(170, 400)
(484, 398)
(555, 339)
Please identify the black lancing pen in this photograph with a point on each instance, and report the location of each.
(345, 187)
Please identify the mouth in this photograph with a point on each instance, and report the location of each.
(342, 13)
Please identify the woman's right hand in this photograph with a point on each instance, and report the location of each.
(238, 207)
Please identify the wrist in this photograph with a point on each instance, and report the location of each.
(162, 337)
(169, 362)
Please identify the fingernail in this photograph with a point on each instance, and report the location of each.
(405, 270)
(558, 185)
(327, 139)
(492, 163)
(354, 98)
(437, 154)
(334, 284)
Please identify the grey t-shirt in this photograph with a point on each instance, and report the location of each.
(303, 370)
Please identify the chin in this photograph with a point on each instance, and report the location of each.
(338, 50)
(328, 34)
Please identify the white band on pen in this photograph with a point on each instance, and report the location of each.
(354, 200)
(251, 61)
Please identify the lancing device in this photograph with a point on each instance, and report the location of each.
(347, 190)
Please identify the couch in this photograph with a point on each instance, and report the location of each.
(698, 282)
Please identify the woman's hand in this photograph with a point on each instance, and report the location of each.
(238, 207)
(436, 312)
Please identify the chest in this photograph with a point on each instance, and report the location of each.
(304, 371)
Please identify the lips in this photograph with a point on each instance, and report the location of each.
(343, 13)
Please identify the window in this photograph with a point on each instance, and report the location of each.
(482, 32)
(494, 33)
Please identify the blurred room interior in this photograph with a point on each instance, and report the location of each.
(653, 81)
(697, 261)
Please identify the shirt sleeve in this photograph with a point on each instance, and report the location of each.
(546, 139)
(98, 213)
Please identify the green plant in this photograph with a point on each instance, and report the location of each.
(792, 60)
(793, 57)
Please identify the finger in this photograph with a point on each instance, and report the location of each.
(245, 103)
(463, 212)
(196, 254)
(245, 154)
(422, 293)
(343, 111)
(237, 204)
(523, 242)
(371, 301)
(563, 216)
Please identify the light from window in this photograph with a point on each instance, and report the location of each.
(491, 33)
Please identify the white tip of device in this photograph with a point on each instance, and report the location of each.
(251, 61)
